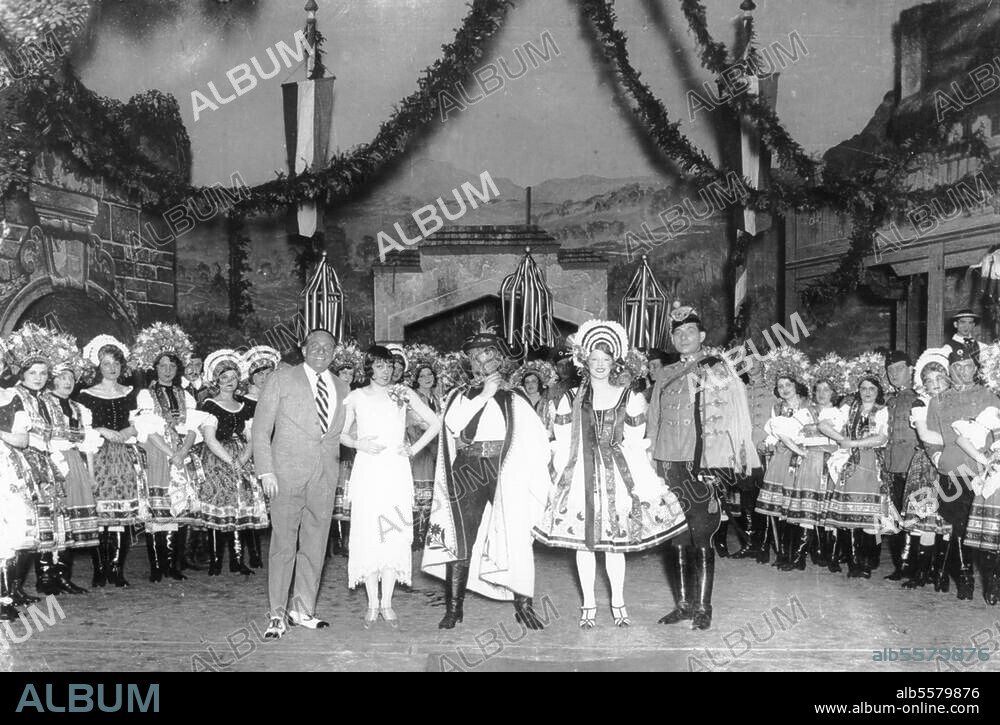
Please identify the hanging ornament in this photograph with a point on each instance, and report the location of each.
(324, 304)
(644, 309)
(526, 304)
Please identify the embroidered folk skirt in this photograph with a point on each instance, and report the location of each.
(164, 480)
(79, 504)
(20, 532)
(983, 530)
(230, 499)
(779, 481)
(120, 484)
(47, 496)
(856, 500)
(921, 483)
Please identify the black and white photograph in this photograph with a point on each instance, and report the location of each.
(528, 336)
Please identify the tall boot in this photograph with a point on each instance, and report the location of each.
(834, 547)
(154, 550)
(99, 559)
(679, 577)
(45, 580)
(745, 532)
(456, 579)
(903, 557)
(765, 533)
(704, 578)
(345, 538)
(215, 552)
(873, 552)
(8, 612)
(333, 542)
(236, 565)
(800, 549)
(117, 554)
(173, 546)
(192, 548)
(941, 573)
(817, 547)
(251, 543)
(921, 570)
(22, 565)
(856, 553)
(964, 576)
(988, 564)
(782, 531)
(64, 573)
(719, 538)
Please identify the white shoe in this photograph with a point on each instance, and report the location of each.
(306, 620)
(275, 629)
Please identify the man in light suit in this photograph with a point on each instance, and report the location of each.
(296, 450)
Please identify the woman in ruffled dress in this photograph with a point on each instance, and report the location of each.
(231, 500)
(920, 513)
(17, 520)
(119, 464)
(857, 501)
(381, 491)
(606, 496)
(168, 422)
(423, 380)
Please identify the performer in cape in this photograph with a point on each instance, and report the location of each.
(490, 487)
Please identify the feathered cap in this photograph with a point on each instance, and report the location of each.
(939, 355)
(867, 365)
(787, 362)
(831, 368)
(92, 350)
(989, 365)
(215, 363)
(486, 336)
(682, 315)
(348, 354)
(421, 356)
(397, 350)
(594, 332)
(34, 344)
(259, 357)
(157, 339)
(543, 370)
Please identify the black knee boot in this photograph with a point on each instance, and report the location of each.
(456, 580)
(99, 560)
(154, 551)
(236, 565)
(920, 572)
(251, 543)
(965, 578)
(8, 612)
(23, 561)
(192, 549)
(940, 570)
(802, 540)
(45, 579)
(988, 565)
(782, 531)
(173, 546)
(746, 533)
(679, 578)
(216, 548)
(64, 573)
(704, 578)
(903, 556)
(857, 566)
(118, 546)
(834, 546)
(719, 540)
(817, 547)
(765, 537)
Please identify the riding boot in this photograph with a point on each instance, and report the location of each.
(920, 573)
(456, 579)
(345, 538)
(856, 553)
(236, 565)
(704, 578)
(817, 547)
(333, 542)
(99, 560)
(873, 548)
(800, 549)
(679, 577)
(764, 532)
(786, 539)
(192, 548)
(173, 546)
(118, 552)
(988, 564)
(154, 551)
(45, 580)
(22, 565)
(8, 612)
(964, 575)
(719, 542)
(745, 532)
(940, 570)
(251, 542)
(215, 552)
(64, 573)
(904, 559)
(834, 543)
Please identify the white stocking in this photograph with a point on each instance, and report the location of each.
(615, 565)
(586, 567)
(388, 583)
(371, 587)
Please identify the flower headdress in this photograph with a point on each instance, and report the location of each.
(867, 365)
(260, 357)
(157, 339)
(636, 363)
(348, 354)
(989, 365)
(34, 344)
(421, 356)
(832, 368)
(91, 351)
(544, 370)
(454, 370)
(217, 358)
(594, 332)
(787, 362)
(396, 349)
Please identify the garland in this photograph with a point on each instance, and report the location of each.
(240, 302)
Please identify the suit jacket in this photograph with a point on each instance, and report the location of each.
(287, 437)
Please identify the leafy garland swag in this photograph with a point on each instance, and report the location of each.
(101, 138)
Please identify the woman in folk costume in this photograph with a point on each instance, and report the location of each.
(381, 490)
(920, 506)
(230, 499)
(422, 377)
(806, 510)
(607, 496)
(788, 374)
(168, 422)
(533, 380)
(119, 465)
(348, 365)
(858, 501)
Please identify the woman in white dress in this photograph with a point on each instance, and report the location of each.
(381, 491)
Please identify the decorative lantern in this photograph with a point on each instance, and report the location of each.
(527, 308)
(644, 308)
(324, 305)
(989, 285)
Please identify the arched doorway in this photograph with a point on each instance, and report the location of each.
(74, 312)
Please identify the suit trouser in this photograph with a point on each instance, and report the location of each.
(300, 516)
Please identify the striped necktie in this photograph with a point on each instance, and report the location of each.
(322, 402)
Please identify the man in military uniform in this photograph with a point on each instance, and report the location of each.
(676, 441)
(899, 451)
